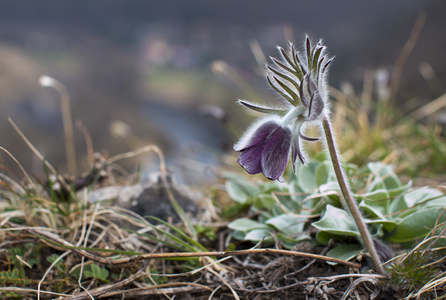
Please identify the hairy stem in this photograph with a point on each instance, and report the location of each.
(349, 201)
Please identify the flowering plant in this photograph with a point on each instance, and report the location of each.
(301, 80)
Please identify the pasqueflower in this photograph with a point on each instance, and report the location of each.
(265, 149)
(300, 80)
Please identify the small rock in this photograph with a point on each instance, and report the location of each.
(150, 198)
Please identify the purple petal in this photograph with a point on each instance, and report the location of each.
(250, 159)
(259, 135)
(275, 153)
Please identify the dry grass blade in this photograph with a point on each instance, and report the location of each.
(21, 168)
(377, 286)
(428, 109)
(432, 286)
(48, 270)
(40, 156)
(226, 283)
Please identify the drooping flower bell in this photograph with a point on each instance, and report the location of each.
(300, 79)
(265, 149)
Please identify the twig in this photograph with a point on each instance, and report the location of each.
(55, 240)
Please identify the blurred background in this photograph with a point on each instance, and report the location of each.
(141, 72)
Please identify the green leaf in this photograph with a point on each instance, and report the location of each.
(238, 235)
(306, 177)
(287, 78)
(52, 258)
(330, 187)
(317, 52)
(385, 177)
(336, 221)
(296, 193)
(398, 203)
(375, 203)
(293, 64)
(417, 224)
(245, 225)
(288, 224)
(97, 272)
(345, 252)
(239, 192)
(399, 190)
(264, 201)
(263, 109)
(308, 48)
(287, 205)
(424, 194)
(387, 225)
(324, 173)
(288, 98)
(287, 89)
(257, 235)
(324, 237)
(281, 65)
(289, 242)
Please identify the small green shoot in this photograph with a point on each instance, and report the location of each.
(95, 271)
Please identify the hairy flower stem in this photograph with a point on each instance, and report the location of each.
(349, 201)
(293, 114)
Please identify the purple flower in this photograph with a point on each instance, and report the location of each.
(265, 148)
(300, 79)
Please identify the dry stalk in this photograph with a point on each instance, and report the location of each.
(40, 156)
(160, 289)
(56, 241)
